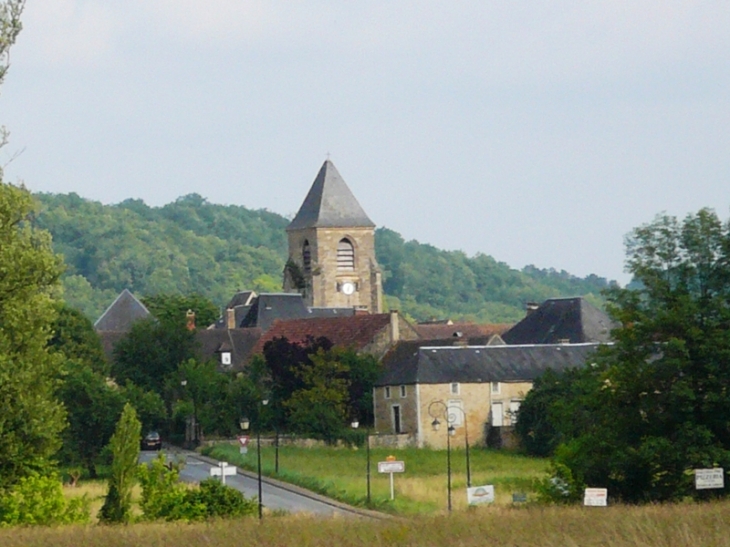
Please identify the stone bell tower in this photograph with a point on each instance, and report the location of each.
(332, 248)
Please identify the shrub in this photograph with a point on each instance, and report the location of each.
(39, 500)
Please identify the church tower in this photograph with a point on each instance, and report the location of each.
(332, 248)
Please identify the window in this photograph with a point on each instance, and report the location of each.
(226, 358)
(345, 255)
(455, 388)
(307, 256)
(387, 392)
(514, 410)
(496, 388)
(402, 392)
(397, 425)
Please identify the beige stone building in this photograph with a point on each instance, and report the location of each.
(332, 248)
(475, 389)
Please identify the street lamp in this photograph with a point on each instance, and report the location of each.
(355, 424)
(245, 424)
(194, 423)
(466, 439)
(436, 409)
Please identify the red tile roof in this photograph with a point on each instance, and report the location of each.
(356, 331)
(437, 331)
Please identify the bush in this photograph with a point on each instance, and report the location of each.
(39, 500)
(164, 498)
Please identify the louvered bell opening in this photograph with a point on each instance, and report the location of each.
(307, 257)
(345, 255)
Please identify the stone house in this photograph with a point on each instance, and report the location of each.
(482, 386)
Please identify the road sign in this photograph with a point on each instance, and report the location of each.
(223, 470)
(391, 467)
(709, 478)
(595, 497)
(480, 494)
(243, 441)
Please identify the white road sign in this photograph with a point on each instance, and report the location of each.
(709, 478)
(223, 470)
(595, 497)
(391, 467)
(480, 494)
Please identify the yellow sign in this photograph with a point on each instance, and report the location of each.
(390, 459)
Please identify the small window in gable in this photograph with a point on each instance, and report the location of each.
(345, 255)
(307, 256)
(402, 391)
(226, 358)
(496, 388)
(454, 388)
(387, 392)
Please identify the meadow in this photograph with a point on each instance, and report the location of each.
(341, 473)
(682, 525)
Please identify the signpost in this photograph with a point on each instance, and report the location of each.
(390, 467)
(595, 497)
(709, 478)
(480, 494)
(243, 441)
(223, 470)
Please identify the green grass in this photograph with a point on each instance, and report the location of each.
(341, 474)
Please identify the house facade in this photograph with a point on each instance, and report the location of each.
(476, 389)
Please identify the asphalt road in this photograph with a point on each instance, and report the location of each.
(274, 497)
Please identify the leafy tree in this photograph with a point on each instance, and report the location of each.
(173, 308)
(124, 446)
(662, 408)
(151, 352)
(74, 336)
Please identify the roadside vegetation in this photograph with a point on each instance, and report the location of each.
(340, 473)
(677, 525)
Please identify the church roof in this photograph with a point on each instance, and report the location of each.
(330, 204)
(124, 311)
(562, 319)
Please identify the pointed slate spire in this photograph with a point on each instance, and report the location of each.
(330, 204)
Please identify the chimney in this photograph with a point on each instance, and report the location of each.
(531, 307)
(190, 317)
(230, 318)
(394, 327)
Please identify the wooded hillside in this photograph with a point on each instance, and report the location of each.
(191, 245)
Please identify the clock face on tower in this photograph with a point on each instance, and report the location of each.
(348, 288)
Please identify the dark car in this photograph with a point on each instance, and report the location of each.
(152, 441)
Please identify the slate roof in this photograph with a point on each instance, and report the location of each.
(356, 331)
(239, 342)
(270, 307)
(124, 311)
(241, 298)
(330, 312)
(330, 204)
(559, 319)
(479, 364)
(438, 330)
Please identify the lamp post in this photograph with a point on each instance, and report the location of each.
(355, 424)
(466, 439)
(436, 409)
(245, 424)
(194, 424)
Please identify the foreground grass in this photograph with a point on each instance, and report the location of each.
(687, 525)
(341, 473)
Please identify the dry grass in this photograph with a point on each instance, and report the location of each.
(687, 525)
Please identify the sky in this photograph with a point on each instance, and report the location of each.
(535, 132)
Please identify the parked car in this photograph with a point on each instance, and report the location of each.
(152, 441)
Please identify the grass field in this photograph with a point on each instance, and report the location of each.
(341, 474)
(686, 525)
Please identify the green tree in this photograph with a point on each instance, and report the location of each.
(124, 446)
(74, 336)
(662, 408)
(173, 308)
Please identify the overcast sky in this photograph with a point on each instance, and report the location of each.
(536, 132)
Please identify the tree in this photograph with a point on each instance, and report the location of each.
(74, 336)
(10, 27)
(662, 407)
(173, 308)
(124, 446)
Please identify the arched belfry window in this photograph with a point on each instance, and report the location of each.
(307, 256)
(345, 255)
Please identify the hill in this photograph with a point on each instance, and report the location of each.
(192, 245)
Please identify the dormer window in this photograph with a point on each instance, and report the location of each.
(345, 255)
(226, 358)
(307, 257)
